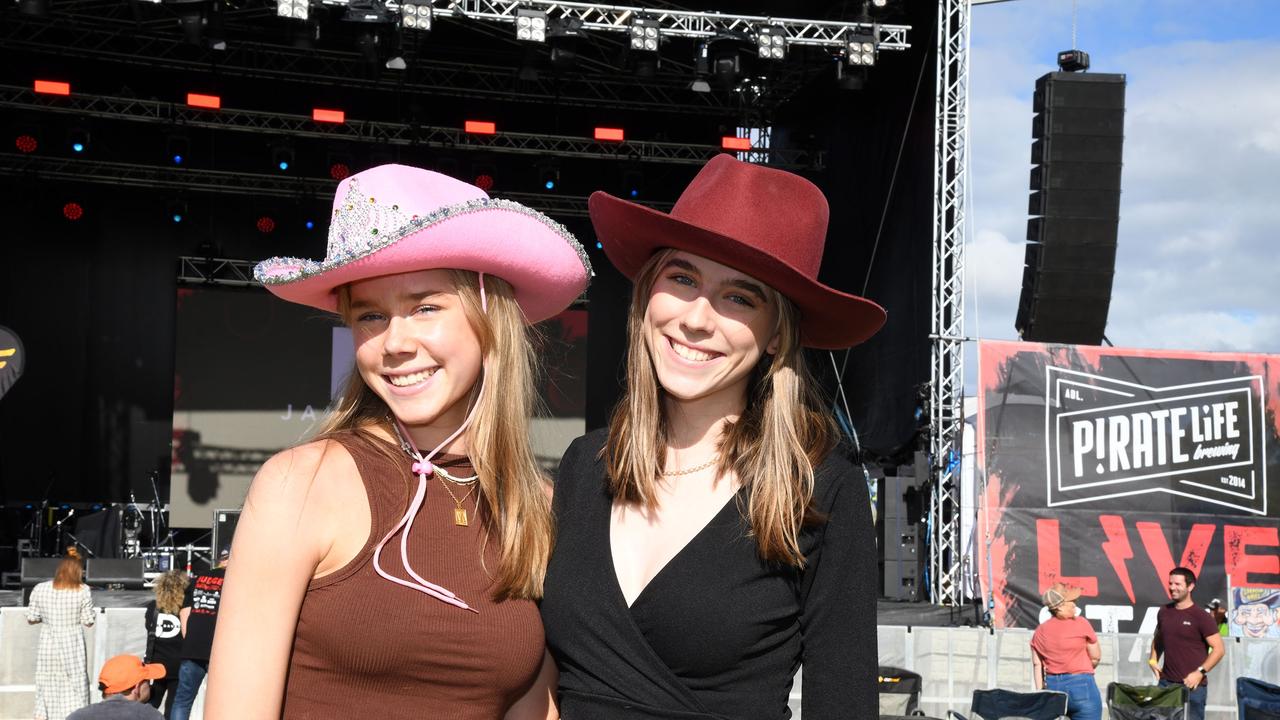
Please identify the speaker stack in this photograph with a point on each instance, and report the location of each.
(1077, 154)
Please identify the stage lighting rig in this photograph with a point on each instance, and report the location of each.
(701, 68)
(415, 16)
(294, 9)
(771, 42)
(645, 35)
(531, 25)
(861, 49)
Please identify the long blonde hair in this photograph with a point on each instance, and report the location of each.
(513, 499)
(773, 447)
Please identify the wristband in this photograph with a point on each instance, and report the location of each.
(1153, 662)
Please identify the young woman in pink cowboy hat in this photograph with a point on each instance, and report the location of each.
(710, 541)
(390, 566)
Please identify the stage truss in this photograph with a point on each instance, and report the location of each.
(946, 362)
(388, 133)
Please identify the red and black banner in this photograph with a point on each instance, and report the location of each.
(1106, 468)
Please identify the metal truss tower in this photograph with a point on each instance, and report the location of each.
(946, 378)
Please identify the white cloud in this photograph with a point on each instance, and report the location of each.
(1198, 258)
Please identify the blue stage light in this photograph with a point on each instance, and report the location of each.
(78, 147)
(599, 246)
(177, 217)
(310, 225)
(550, 185)
(635, 192)
(177, 159)
(283, 165)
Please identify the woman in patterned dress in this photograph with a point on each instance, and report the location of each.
(61, 606)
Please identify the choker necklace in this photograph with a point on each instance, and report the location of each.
(454, 478)
(694, 469)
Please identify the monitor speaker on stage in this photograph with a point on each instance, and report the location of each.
(1075, 207)
(35, 571)
(114, 573)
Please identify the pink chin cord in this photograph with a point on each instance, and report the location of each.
(422, 467)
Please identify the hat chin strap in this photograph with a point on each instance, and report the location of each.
(422, 467)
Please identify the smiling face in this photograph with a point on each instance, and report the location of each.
(1179, 590)
(1255, 619)
(707, 326)
(415, 348)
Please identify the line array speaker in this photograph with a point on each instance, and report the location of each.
(1078, 134)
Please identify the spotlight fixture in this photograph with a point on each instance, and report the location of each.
(177, 211)
(531, 25)
(177, 149)
(416, 17)
(26, 143)
(78, 140)
(645, 35)
(265, 224)
(72, 211)
(549, 175)
(294, 9)
(368, 11)
(861, 48)
(771, 42)
(701, 68)
(282, 158)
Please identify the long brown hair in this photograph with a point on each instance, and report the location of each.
(70, 572)
(170, 588)
(513, 498)
(773, 447)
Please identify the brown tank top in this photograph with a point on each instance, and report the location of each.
(366, 647)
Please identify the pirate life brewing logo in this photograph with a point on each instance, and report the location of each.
(1107, 438)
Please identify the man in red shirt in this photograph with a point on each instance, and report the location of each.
(1189, 639)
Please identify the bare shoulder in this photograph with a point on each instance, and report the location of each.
(307, 474)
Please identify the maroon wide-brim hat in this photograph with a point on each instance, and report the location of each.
(767, 223)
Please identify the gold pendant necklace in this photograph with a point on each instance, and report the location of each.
(459, 512)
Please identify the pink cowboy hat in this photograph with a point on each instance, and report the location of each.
(393, 219)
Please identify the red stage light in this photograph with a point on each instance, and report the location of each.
(26, 143)
(209, 102)
(266, 224)
(72, 211)
(484, 182)
(735, 143)
(339, 171)
(610, 134)
(328, 116)
(53, 87)
(480, 127)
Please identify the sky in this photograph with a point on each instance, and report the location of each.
(1198, 264)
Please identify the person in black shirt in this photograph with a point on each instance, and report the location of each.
(713, 540)
(1188, 638)
(199, 617)
(164, 635)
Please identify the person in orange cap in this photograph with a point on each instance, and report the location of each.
(125, 682)
(1064, 652)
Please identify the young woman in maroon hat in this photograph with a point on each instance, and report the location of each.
(710, 541)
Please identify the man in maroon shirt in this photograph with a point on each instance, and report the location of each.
(1189, 639)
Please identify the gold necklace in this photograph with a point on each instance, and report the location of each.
(694, 469)
(459, 512)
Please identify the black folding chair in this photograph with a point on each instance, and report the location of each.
(899, 692)
(1001, 704)
(1257, 700)
(1147, 702)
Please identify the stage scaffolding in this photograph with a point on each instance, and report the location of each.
(946, 364)
(389, 133)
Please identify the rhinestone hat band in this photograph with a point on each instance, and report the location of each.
(362, 226)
